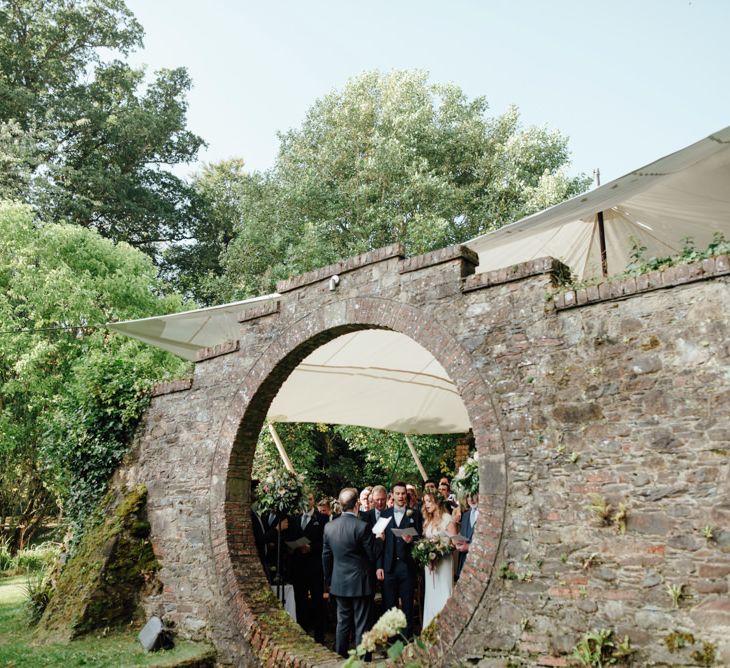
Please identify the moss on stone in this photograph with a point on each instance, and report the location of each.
(99, 586)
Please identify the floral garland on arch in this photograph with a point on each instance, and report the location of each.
(282, 491)
(427, 552)
(466, 482)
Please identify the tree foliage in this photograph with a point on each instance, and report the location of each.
(91, 137)
(336, 456)
(390, 158)
(71, 392)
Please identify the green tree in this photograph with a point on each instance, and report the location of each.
(102, 138)
(333, 457)
(71, 392)
(390, 158)
(195, 268)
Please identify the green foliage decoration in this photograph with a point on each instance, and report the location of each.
(282, 490)
(466, 481)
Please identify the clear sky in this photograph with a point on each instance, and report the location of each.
(628, 81)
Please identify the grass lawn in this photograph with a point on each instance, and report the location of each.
(115, 649)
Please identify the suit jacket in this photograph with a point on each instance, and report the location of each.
(311, 562)
(348, 551)
(386, 559)
(466, 530)
(258, 534)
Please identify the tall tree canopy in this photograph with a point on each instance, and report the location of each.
(85, 129)
(70, 393)
(392, 157)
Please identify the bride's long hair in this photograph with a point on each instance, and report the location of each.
(434, 517)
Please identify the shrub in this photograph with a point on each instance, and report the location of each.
(38, 591)
(37, 558)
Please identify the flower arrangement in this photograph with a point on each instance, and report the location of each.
(390, 624)
(282, 491)
(428, 551)
(466, 482)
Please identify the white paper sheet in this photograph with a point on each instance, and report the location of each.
(381, 524)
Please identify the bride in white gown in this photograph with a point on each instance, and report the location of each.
(439, 582)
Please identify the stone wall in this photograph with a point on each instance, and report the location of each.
(619, 391)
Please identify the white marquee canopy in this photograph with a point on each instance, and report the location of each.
(385, 380)
(684, 194)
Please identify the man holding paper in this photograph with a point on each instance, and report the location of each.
(395, 566)
(304, 537)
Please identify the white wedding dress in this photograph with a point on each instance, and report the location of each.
(439, 582)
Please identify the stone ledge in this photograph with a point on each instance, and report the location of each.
(516, 272)
(371, 257)
(653, 280)
(225, 348)
(469, 258)
(172, 386)
(267, 308)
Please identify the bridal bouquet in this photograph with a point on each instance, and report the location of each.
(282, 490)
(466, 482)
(428, 551)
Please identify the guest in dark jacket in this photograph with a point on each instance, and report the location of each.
(347, 554)
(468, 522)
(305, 568)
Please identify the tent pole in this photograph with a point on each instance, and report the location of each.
(602, 243)
(280, 448)
(601, 229)
(414, 454)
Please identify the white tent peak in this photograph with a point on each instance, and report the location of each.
(684, 194)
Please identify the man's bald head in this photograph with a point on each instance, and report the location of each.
(348, 499)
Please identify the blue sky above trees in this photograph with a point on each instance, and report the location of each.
(627, 82)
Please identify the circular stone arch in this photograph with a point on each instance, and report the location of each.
(254, 611)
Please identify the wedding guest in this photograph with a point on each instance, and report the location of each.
(365, 499)
(430, 486)
(444, 490)
(275, 523)
(468, 521)
(380, 498)
(305, 569)
(323, 506)
(412, 495)
(438, 580)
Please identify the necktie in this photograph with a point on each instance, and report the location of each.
(305, 520)
(474, 516)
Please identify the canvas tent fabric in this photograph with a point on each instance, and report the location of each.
(685, 194)
(371, 378)
(184, 334)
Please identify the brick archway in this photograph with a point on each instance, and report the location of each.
(259, 619)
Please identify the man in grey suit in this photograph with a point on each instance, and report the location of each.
(348, 552)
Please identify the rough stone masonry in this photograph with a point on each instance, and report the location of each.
(601, 419)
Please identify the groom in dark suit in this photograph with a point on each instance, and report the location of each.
(347, 554)
(395, 566)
